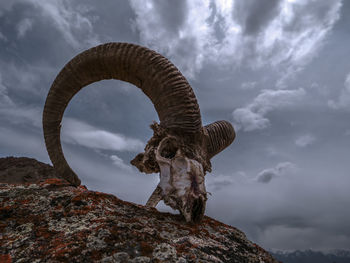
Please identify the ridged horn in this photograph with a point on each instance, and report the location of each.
(156, 76)
(221, 134)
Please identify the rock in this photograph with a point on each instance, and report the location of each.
(121, 257)
(17, 170)
(51, 221)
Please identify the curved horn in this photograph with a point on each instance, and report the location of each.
(157, 77)
(221, 134)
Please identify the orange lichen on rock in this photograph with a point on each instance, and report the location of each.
(5, 258)
(51, 221)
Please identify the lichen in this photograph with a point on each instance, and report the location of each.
(51, 221)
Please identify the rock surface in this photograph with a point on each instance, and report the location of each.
(51, 221)
(18, 170)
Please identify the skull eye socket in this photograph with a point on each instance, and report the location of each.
(168, 150)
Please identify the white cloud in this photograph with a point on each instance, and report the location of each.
(182, 40)
(75, 26)
(26, 77)
(305, 140)
(253, 32)
(10, 112)
(298, 30)
(71, 20)
(117, 161)
(5, 6)
(78, 132)
(217, 182)
(252, 117)
(343, 101)
(2, 37)
(22, 115)
(23, 27)
(5, 100)
(265, 176)
(248, 120)
(249, 85)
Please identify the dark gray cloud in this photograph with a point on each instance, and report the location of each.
(343, 102)
(277, 69)
(254, 16)
(78, 132)
(287, 209)
(266, 175)
(305, 140)
(217, 182)
(266, 33)
(172, 14)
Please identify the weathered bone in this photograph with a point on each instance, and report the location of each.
(180, 148)
(155, 197)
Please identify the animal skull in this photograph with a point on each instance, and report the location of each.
(181, 180)
(181, 168)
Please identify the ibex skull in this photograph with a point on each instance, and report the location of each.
(180, 149)
(181, 180)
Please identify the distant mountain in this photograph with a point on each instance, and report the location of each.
(310, 256)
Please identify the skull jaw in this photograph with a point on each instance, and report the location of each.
(192, 209)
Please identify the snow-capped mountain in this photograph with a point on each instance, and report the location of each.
(311, 256)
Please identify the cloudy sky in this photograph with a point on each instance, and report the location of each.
(279, 70)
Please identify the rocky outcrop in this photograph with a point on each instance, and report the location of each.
(51, 221)
(18, 170)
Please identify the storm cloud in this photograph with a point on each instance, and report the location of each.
(278, 70)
